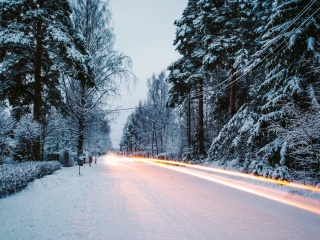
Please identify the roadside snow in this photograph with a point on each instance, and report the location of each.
(127, 200)
(53, 207)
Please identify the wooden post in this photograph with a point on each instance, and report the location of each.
(80, 163)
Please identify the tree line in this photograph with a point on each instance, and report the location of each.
(152, 128)
(58, 68)
(246, 87)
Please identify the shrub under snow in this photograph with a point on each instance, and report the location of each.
(14, 177)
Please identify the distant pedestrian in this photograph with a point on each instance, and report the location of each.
(95, 159)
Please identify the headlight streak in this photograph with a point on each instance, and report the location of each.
(231, 183)
(242, 175)
(112, 159)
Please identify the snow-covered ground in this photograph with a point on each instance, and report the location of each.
(123, 199)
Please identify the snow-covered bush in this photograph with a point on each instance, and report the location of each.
(263, 169)
(300, 150)
(173, 156)
(14, 177)
(234, 140)
(281, 172)
(163, 156)
(27, 135)
(6, 136)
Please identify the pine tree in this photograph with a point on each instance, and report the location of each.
(186, 76)
(264, 137)
(229, 51)
(228, 47)
(38, 44)
(130, 135)
(292, 43)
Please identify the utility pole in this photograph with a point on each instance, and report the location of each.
(189, 122)
(152, 137)
(156, 137)
(201, 116)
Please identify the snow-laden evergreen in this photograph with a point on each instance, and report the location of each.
(58, 70)
(262, 64)
(6, 141)
(40, 27)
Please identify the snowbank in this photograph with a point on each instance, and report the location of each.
(14, 177)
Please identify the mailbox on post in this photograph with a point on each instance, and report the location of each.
(80, 163)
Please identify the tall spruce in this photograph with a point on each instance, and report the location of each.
(264, 137)
(185, 76)
(291, 39)
(38, 43)
(228, 39)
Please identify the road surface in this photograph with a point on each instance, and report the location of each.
(122, 199)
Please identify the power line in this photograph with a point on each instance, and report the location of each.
(253, 67)
(293, 21)
(266, 48)
(264, 60)
(121, 109)
(132, 108)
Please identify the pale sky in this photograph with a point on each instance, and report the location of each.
(145, 32)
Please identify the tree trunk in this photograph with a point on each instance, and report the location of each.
(161, 140)
(233, 94)
(152, 138)
(37, 74)
(80, 136)
(156, 137)
(247, 92)
(81, 120)
(189, 124)
(37, 99)
(201, 115)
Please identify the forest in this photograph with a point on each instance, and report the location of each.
(244, 93)
(58, 71)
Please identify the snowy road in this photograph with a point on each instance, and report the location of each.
(120, 199)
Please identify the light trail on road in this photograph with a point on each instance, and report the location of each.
(242, 175)
(297, 201)
(120, 198)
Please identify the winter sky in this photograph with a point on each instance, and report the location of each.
(145, 32)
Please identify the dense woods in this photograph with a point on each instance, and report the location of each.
(245, 91)
(58, 69)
